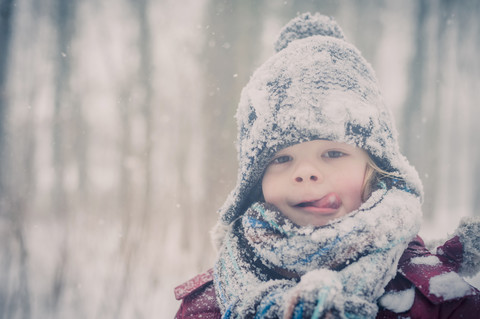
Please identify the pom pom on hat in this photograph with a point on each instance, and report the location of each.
(307, 25)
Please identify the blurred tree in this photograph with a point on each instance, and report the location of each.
(232, 44)
(136, 102)
(63, 20)
(413, 111)
(14, 285)
(6, 8)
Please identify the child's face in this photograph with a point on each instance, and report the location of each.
(315, 182)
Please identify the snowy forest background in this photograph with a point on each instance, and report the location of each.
(117, 134)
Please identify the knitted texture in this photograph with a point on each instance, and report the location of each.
(318, 86)
(305, 26)
(269, 267)
(469, 234)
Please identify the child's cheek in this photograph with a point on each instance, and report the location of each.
(270, 188)
(351, 186)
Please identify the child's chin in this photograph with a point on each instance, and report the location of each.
(320, 222)
(313, 223)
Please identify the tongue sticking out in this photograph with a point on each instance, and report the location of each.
(331, 200)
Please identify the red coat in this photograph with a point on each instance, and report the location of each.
(414, 275)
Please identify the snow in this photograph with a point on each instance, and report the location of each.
(398, 301)
(102, 254)
(428, 260)
(449, 286)
(474, 280)
(399, 208)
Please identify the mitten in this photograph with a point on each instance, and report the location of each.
(315, 296)
(321, 294)
(468, 233)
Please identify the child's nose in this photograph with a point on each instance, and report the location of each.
(300, 179)
(307, 173)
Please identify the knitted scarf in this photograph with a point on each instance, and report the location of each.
(269, 267)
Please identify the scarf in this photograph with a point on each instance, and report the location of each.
(268, 267)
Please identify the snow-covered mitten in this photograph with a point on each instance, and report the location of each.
(321, 294)
(468, 233)
(315, 296)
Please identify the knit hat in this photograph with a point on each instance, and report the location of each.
(316, 86)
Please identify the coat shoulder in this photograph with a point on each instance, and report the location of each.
(194, 284)
(198, 298)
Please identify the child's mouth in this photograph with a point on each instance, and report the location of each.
(331, 201)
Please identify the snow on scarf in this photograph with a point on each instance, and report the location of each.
(269, 267)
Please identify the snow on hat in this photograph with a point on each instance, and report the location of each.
(316, 86)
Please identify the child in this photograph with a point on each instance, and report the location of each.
(324, 218)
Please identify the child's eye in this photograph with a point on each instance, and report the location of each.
(333, 154)
(281, 159)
